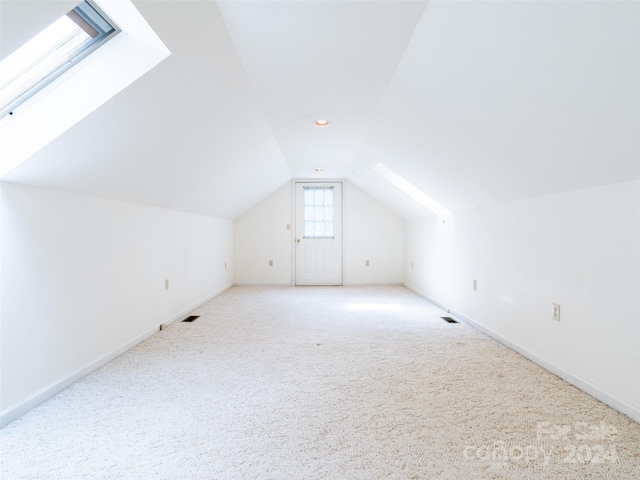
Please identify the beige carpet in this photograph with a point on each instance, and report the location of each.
(321, 383)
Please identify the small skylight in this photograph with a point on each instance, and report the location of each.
(411, 190)
(51, 53)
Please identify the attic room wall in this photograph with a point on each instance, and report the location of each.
(578, 249)
(83, 280)
(371, 232)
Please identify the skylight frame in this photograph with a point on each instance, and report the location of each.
(86, 15)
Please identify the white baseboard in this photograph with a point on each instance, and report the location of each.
(10, 414)
(427, 297)
(261, 284)
(184, 313)
(595, 391)
(33, 400)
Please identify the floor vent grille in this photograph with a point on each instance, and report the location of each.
(449, 319)
(191, 318)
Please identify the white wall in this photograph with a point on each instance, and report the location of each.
(261, 235)
(579, 249)
(374, 233)
(83, 279)
(371, 232)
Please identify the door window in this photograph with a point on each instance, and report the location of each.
(318, 212)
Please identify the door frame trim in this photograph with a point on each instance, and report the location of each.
(294, 205)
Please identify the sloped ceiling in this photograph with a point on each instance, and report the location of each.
(473, 102)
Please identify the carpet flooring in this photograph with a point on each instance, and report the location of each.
(320, 383)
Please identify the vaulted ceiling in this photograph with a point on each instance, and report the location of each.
(474, 102)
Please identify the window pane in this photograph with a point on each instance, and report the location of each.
(39, 57)
(49, 54)
(318, 212)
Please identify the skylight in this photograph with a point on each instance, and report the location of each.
(51, 53)
(112, 64)
(411, 190)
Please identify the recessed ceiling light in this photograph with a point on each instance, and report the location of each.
(319, 169)
(321, 123)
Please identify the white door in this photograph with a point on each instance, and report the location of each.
(318, 233)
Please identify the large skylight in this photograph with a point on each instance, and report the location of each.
(51, 53)
(120, 59)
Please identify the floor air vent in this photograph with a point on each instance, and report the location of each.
(449, 319)
(191, 318)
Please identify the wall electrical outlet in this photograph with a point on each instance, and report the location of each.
(411, 265)
(366, 263)
(555, 312)
(271, 263)
(288, 226)
(475, 285)
(225, 265)
(166, 284)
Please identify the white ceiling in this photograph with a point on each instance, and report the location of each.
(473, 102)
